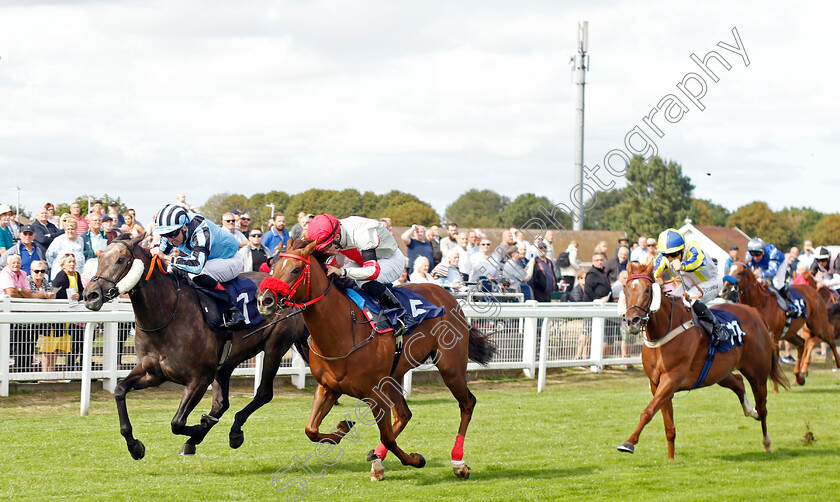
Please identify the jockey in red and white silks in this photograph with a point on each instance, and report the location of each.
(372, 256)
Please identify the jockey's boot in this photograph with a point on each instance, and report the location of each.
(205, 281)
(710, 322)
(388, 301)
(784, 292)
(232, 317)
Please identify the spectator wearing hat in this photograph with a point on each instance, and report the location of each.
(114, 213)
(6, 239)
(45, 231)
(108, 228)
(623, 241)
(25, 248)
(733, 257)
(98, 208)
(543, 281)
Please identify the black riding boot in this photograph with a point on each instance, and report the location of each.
(719, 333)
(784, 291)
(205, 281)
(388, 301)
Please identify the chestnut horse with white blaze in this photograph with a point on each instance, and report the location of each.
(347, 357)
(814, 326)
(675, 351)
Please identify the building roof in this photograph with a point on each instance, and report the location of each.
(725, 237)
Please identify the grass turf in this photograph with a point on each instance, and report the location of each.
(558, 445)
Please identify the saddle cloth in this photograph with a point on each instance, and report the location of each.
(239, 291)
(415, 304)
(797, 307)
(733, 326)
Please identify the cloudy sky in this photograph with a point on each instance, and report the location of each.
(145, 99)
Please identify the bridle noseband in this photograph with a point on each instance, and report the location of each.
(288, 292)
(645, 310)
(114, 291)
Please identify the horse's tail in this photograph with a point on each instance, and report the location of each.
(302, 344)
(776, 374)
(482, 349)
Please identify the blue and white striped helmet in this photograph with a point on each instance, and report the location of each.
(170, 219)
(670, 241)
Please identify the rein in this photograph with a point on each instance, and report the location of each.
(355, 346)
(157, 261)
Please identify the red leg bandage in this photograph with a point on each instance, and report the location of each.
(458, 449)
(381, 451)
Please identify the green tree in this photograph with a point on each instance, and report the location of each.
(257, 202)
(827, 231)
(658, 196)
(756, 219)
(477, 208)
(221, 203)
(596, 217)
(528, 206)
(411, 212)
(801, 221)
(706, 212)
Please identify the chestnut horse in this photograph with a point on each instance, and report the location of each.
(174, 344)
(347, 357)
(832, 307)
(675, 351)
(751, 292)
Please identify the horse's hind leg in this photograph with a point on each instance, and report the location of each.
(136, 380)
(193, 393)
(454, 374)
(735, 383)
(221, 394)
(759, 387)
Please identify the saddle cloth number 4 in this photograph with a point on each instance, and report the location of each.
(735, 328)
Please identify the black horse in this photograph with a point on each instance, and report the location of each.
(174, 343)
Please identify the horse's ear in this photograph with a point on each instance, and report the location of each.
(133, 242)
(622, 304)
(649, 268)
(309, 249)
(656, 301)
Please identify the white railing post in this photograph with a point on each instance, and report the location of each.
(5, 348)
(543, 355)
(597, 345)
(299, 377)
(259, 362)
(407, 380)
(110, 358)
(529, 343)
(87, 352)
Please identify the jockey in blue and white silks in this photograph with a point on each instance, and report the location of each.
(768, 262)
(204, 248)
(697, 273)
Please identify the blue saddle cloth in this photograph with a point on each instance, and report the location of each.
(733, 326)
(240, 291)
(415, 304)
(797, 307)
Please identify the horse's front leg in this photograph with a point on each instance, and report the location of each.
(810, 342)
(321, 405)
(221, 402)
(800, 352)
(264, 394)
(136, 380)
(662, 394)
(193, 393)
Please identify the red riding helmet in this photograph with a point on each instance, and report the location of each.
(322, 229)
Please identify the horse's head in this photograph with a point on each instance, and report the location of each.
(117, 272)
(289, 281)
(737, 279)
(641, 297)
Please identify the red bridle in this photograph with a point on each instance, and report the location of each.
(285, 291)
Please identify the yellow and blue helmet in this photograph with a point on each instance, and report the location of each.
(670, 241)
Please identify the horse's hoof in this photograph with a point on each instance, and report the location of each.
(187, 449)
(137, 451)
(461, 471)
(422, 462)
(800, 379)
(377, 472)
(236, 439)
(626, 447)
(371, 456)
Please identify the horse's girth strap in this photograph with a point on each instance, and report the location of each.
(670, 336)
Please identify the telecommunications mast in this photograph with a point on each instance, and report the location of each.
(581, 65)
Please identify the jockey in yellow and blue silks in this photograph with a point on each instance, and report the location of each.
(698, 275)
